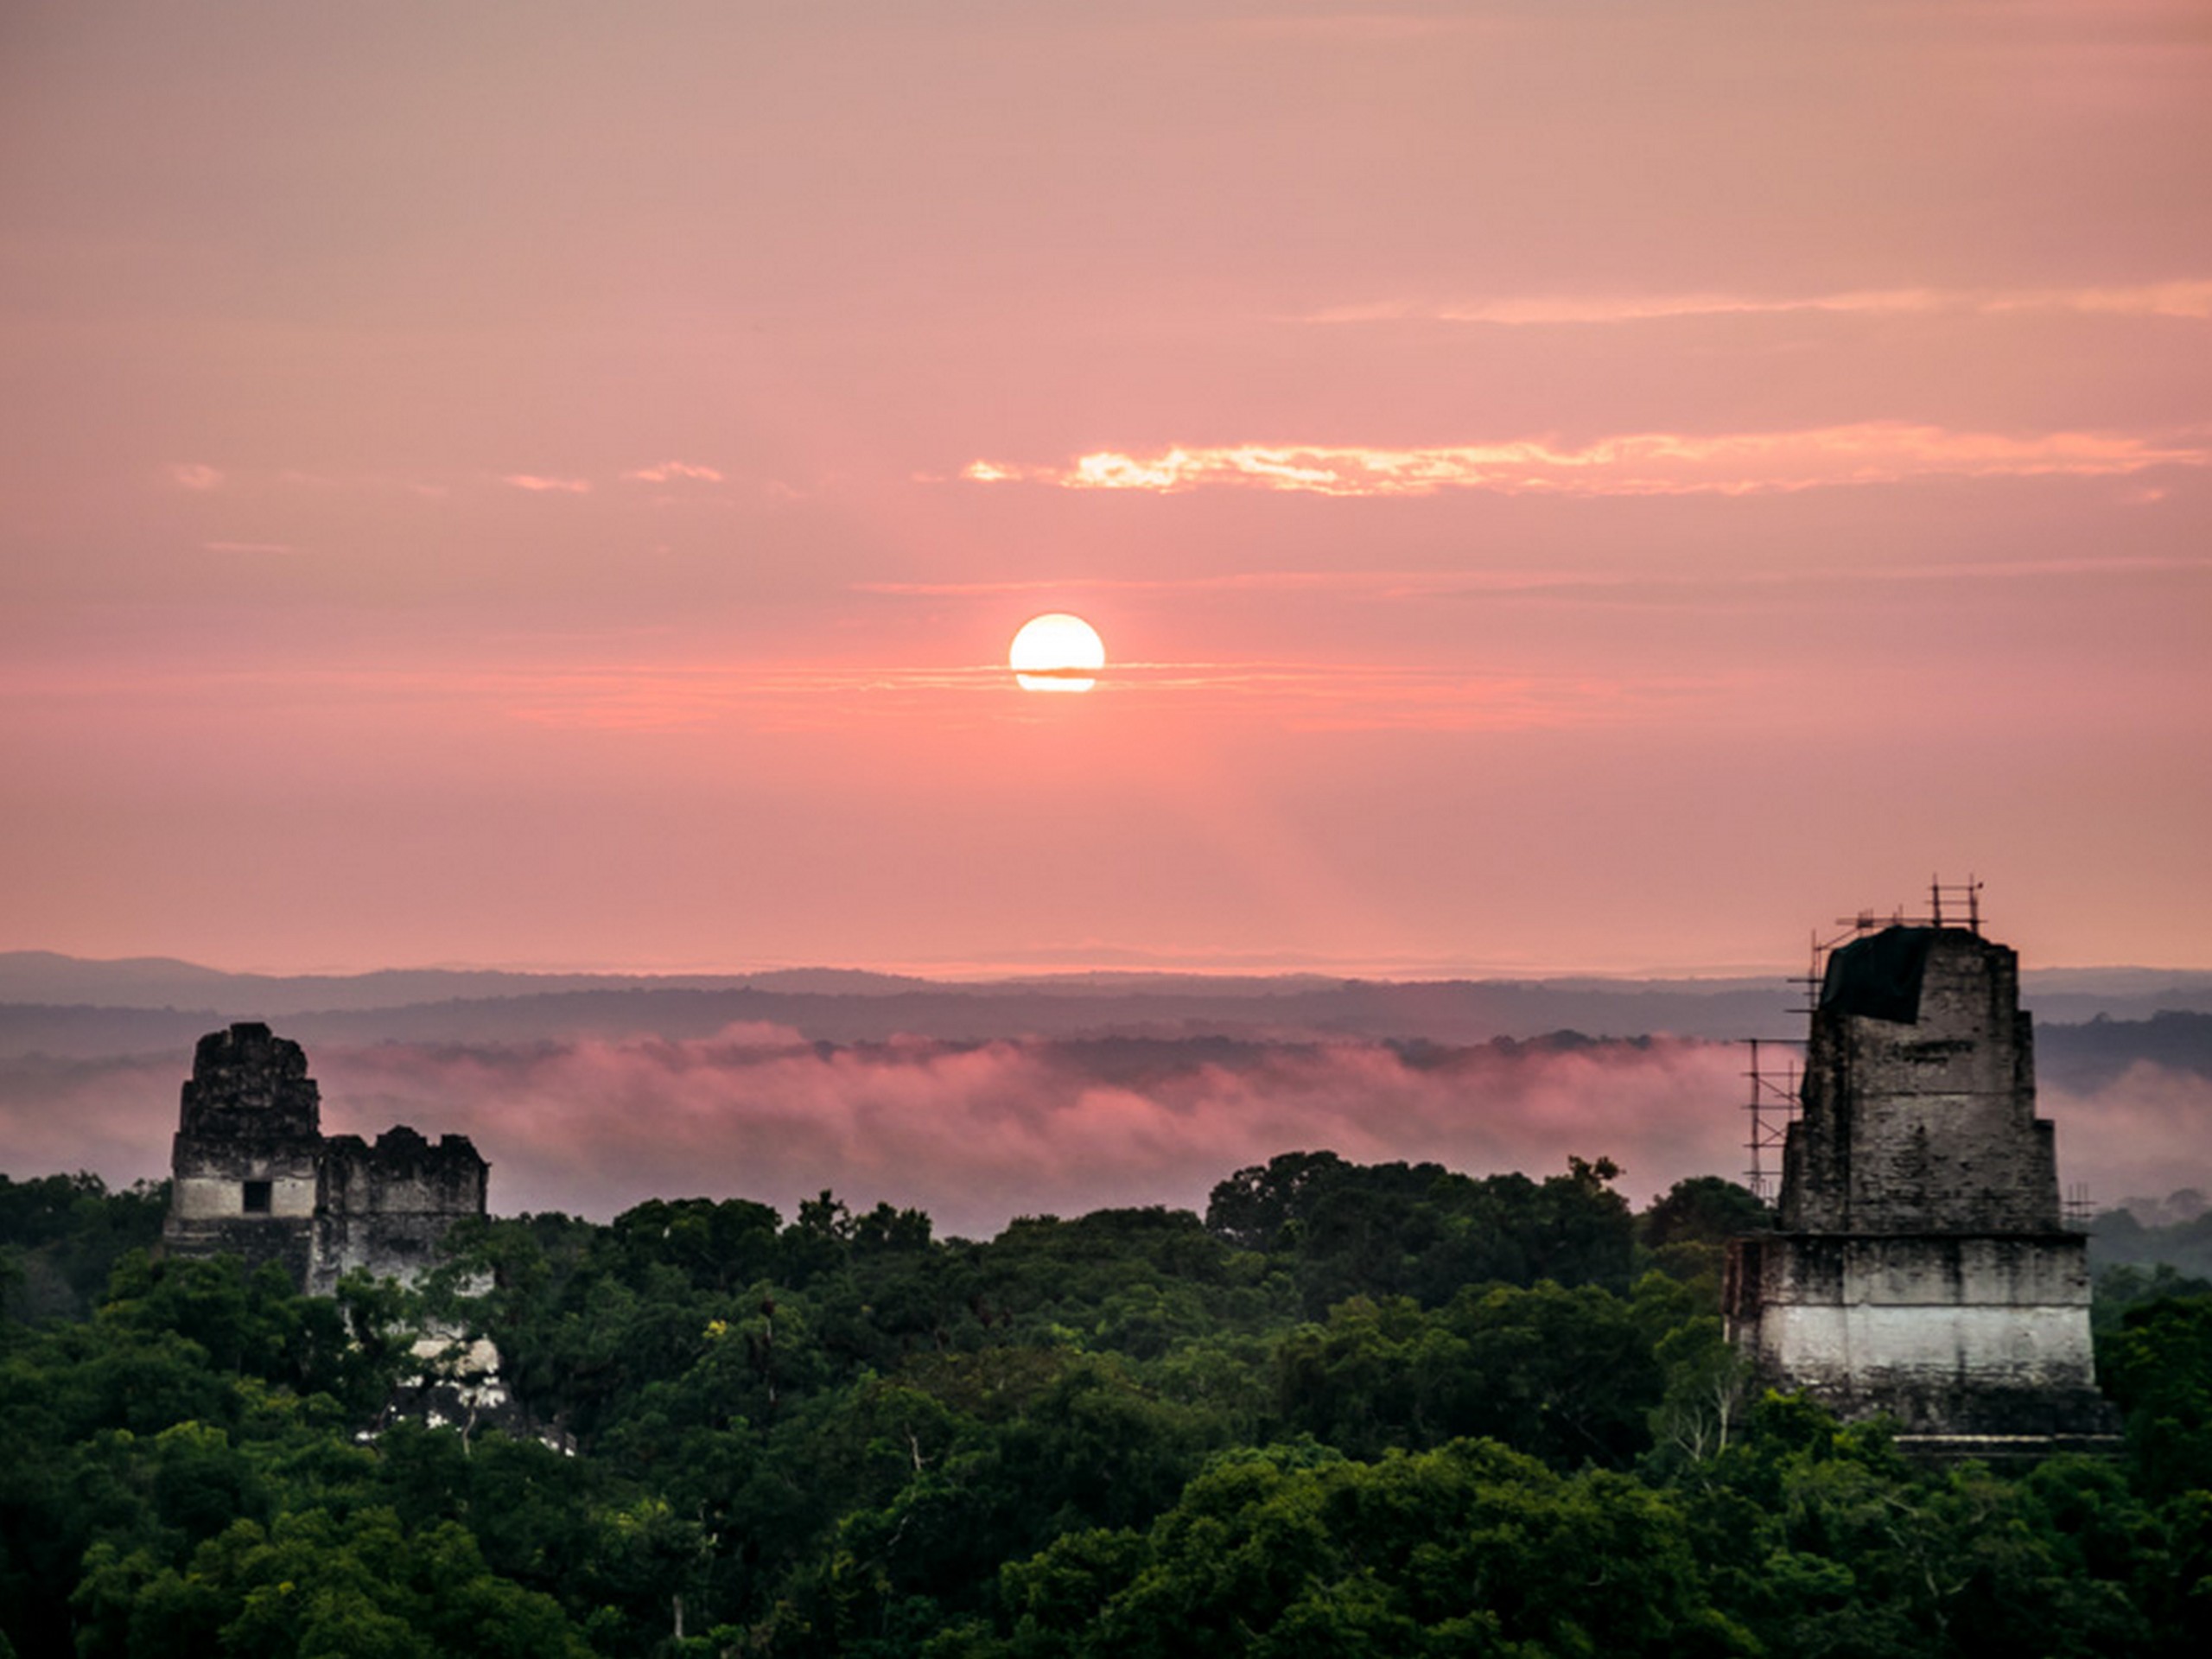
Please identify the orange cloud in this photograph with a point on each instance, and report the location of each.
(1650, 463)
(669, 469)
(2188, 299)
(563, 486)
(1551, 582)
(192, 475)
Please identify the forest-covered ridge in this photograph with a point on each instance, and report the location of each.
(1389, 1409)
(66, 1004)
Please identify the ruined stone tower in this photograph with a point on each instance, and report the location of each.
(1921, 1268)
(253, 1175)
(246, 1163)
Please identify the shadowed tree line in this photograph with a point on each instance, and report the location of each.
(1352, 1409)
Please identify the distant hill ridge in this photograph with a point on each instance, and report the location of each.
(65, 1005)
(46, 976)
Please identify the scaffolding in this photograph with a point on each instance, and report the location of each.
(1963, 900)
(1772, 1103)
(2076, 1213)
(1777, 1085)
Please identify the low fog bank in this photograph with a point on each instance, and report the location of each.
(978, 1133)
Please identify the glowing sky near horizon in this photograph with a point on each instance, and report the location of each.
(1567, 486)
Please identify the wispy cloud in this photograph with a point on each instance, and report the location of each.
(1288, 695)
(1390, 583)
(643, 697)
(247, 547)
(561, 486)
(1374, 25)
(801, 698)
(303, 480)
(2188, 299)
(1650, 463)
(1559, 582)
(193, 475)
(664, 470)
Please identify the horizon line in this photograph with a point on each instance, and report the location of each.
(1107, 964)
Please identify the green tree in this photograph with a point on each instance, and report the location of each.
(1467, 1548)
(1703, 1210)
(313, 1585)
(2157, 1367)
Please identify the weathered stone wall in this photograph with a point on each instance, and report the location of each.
(387, 1207)
(248, 1081)
(210, 1183)
(1924, 1124)
(1947, 1333)
(254, 1176)
(1921, 1269)
(243, 1163)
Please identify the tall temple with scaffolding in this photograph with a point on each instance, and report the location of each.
(1922, 1267)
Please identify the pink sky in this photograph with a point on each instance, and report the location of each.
(1563, 486)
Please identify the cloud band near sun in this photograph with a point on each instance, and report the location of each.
(2189, 300)
(1650, 463)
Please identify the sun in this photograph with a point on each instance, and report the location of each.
(1056, 652)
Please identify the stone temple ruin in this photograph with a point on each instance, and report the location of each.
(254, 1175)
(1922, 1268)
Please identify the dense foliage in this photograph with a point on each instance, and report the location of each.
(1387, 1409)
